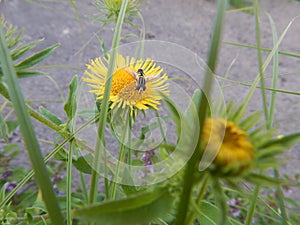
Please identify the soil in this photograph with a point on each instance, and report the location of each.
(186, 23)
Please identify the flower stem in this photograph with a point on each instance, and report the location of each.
(199, 198)
(221, 201)
(250, 212)
(126, 130)
(100, 145)
(69, 184)
(160, 127)
(191, 165)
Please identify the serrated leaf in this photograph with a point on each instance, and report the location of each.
(35, 58)
(49, 115)
(71, 105)
(138, 209)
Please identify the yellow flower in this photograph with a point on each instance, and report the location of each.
(234, 151)
(124, 91)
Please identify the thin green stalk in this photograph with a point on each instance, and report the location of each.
(191, 165)
(251, 210)
(128, 142)
(260, 64)
(203, 189)
(143, 35)
(160, 127)
(268, 89)
(31, 142)
(280, 198)
(275, 75)
(221, 200)
(123, 150)
(264, 66)
(284, 215)
(69, 171)
(100, 145)
(83, 186)
(69, 184)
(262, 49)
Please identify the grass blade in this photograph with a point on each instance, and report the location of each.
(31, 143)
(100, 146)
(260, 64)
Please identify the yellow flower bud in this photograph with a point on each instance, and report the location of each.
(231, 145)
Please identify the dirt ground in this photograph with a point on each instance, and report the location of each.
(186, 23)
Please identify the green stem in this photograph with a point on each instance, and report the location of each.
(143, 35)
(250, 212)
(191, 165)
(275, 76)
(203, 189)
(160, 127)
(69, 184)
(100, 145)
(221, 201)
(260, 64)
(29, 137)
(281, 203)
(123, 150)
(128, 141)
(262, 49)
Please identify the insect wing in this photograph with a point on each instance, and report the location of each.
(141, 84)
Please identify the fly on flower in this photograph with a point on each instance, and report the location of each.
(140, 78)
(138, 90)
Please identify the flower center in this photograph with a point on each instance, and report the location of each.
(121, 79)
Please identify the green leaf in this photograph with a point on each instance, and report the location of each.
(239, 3)
(61, 154)
(3, 132)
(208, 214)
(70, 105)
(25, 74)
(11, 126)
(250, 121)
(3, 90)
(82, 165)
(283, 142)
(49, 115)
(36, 58)
(20, 51)
(263, 180)
(138, 209)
